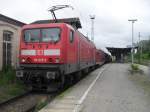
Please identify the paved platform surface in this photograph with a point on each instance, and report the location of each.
(146, 69)
(107, 89)
(114, 92)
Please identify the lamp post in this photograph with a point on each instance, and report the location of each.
(92, 17)
(132, 55)
(140, 48)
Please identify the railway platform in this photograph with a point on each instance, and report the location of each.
(107, 89)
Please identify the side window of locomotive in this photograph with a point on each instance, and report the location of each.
(71, 36)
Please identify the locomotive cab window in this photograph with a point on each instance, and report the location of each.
(51, 34)
(71, 36)
(42, 35)
(32, 35)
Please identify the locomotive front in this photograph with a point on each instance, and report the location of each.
(41, 56)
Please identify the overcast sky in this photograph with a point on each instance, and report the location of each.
(111, 23)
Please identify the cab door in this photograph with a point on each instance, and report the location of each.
(71, 51)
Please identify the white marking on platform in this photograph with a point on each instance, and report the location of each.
(71, 103)
(77, 108)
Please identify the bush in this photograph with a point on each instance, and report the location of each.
(9, 86)
(149, 55)
(7, 76)
(6, 68)
(134, 67)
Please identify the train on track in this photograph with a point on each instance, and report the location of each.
(55, 53)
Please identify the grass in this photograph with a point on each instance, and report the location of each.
(134, 67)
(143, 59)
(9, 86)
(7, 77)
(40, 105)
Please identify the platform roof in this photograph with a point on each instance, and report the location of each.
(119, 50)
(75, 22)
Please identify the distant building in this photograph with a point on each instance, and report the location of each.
(9, 41)
(119, 54)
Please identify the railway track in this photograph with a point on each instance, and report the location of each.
(28, 101)
(14, 98)
(25, 102)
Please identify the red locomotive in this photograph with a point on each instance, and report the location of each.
(50, 52)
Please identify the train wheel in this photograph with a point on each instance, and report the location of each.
(53, 87)
(85, 71)
(93, 68)
(70, 80)
(30, 88)
(78, 76)
(62, 81)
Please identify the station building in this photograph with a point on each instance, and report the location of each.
(9, 41)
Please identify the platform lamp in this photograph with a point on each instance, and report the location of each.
(132, 55)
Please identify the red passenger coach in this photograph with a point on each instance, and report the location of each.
(50, 52)
(100, 57)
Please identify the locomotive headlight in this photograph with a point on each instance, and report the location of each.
(23, 60)
(57, 60)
